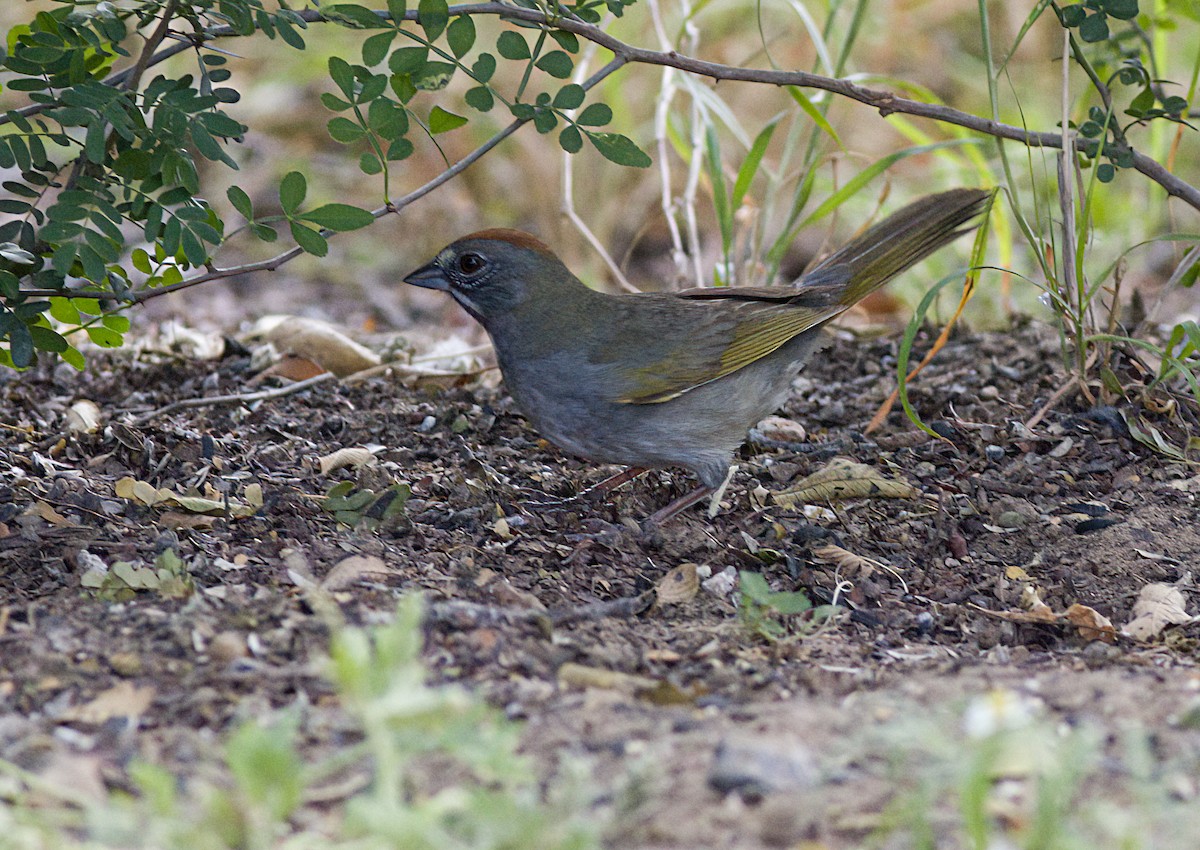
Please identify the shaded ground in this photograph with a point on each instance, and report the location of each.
(527, 605)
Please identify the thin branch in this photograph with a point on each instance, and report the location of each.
(236, 398)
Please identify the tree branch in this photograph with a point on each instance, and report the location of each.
(885, 102)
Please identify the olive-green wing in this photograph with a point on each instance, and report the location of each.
(747, 331)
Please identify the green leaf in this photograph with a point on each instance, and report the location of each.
(568, 41)
(569, 97)
(460, 35)
(72, 357)
(309, 239)
(1140, 104)
(484, 67)
(434, 76)
(115, 322)
(750, 166)
(339, 217)
(62, 310)
(355, 16)
(595, 115)
(545, 121)
(441, 121)
(342, 76)
(334, 103)
(241, 202)
(1094, 28)
(408, 60)
(93, 144)
(399, 149)
(1105, 172)
(815, 115)
(292, 190)
(20, 344)
(512, 46)
(1124, 10)
(344, 130)
(104, 337)
(397, 9)
(570, 139)
(375, 48)
(720, 193)
(433, 15)
(619, 149)
(480, 98)
(387, 119)
(368, 163)
(557, 64)
(1072, 16)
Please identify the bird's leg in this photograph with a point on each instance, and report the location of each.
(685, 501)
(688, 499)
(597, 491)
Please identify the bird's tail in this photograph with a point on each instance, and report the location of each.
(901, 240)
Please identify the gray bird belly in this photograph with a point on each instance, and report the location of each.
(699, 430)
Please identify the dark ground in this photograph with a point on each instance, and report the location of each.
(1072, 506)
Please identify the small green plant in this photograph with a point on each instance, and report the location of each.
(363, 506)
(765, 612)
(434, 768)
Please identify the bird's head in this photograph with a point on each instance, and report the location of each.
(494, 272)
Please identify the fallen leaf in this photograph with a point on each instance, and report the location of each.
(50, 515)
(293, 367)
(1091, 623)
(843, 478)
(353, 457)
(123, 699)
(681, 584)
(317, 341)
(1157, 606)
(83, 417)
(1038, 610)
(349, 571)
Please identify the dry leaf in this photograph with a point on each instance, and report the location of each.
(679, 585)
(581, 676)
(123, 699)
(293, 367)
(50, 515)
(83, 417)
(844, 559)
(349, 571)
(1091, 623)
(843, 478)
(354, 457)
(506, 594)
(1039, 611)
(1157, 606)
(1016, 574)
(317, 341)
(177, 520)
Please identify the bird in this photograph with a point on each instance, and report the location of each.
(669, 379)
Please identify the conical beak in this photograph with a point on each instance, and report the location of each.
(430, 277)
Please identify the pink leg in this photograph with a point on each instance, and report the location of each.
(685, 501)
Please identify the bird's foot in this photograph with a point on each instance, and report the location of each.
(591, 495)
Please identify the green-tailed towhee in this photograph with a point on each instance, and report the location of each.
(668, 379)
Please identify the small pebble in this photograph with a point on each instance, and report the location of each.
(1011, 519)
(994, 453)
(989, 393)
(427, 424)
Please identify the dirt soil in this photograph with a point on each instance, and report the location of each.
(736, 740)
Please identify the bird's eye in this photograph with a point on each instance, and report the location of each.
(471, 263)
